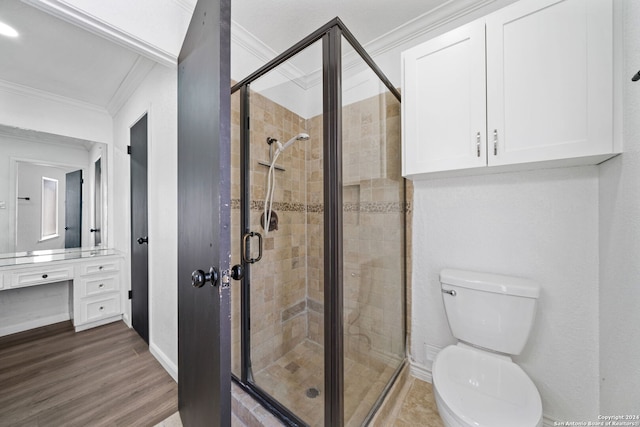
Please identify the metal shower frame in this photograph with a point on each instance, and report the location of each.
(331, 35)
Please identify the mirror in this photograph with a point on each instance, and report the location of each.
(52, 192)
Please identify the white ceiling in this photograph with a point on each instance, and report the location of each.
(281, 23)
(96, 52)
(56, 57)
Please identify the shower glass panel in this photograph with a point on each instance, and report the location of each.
(286, 310)
(373, 237)
(318, 219)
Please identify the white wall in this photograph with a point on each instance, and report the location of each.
(541, 225)
(157, 96)
(620, 243)
(34, 306)
(577, 232)
(30, 216)
(27, 108)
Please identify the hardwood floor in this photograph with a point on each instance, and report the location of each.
(104, 376)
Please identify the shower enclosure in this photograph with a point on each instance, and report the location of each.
(318, 322)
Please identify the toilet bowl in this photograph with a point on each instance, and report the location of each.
(476, 388)
(475, 381)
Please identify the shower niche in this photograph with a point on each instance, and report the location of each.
(318, 322)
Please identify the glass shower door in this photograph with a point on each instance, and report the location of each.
(283, 236)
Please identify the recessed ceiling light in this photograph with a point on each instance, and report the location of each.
(8, 31)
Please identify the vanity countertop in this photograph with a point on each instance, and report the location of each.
(37, 257)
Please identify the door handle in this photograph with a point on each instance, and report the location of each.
(237, 272)
(246, 255)
(93, 230)
(199, 277)
(142, 240)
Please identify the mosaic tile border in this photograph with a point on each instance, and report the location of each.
(366, 207)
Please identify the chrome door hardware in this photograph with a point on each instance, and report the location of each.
(495, 142)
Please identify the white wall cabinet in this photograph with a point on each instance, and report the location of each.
(530, 84)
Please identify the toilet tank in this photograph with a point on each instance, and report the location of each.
(488, 310)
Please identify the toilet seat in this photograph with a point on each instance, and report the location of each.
(482, 389)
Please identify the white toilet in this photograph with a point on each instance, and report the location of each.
(475, 381)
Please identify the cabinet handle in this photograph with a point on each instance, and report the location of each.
(100, 268)
(495, 142)
(478, 143)
(101, 308)
(44, 276)
(101, 285)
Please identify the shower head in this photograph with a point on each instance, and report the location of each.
(298, 137)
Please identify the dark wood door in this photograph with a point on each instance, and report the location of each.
(73, 210)
(204, 164)
(139, 231)
(97, 203)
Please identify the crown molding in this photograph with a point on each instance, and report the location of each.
(256, 47)
(129, 84)
(187, 5)
(48, 138)
(63, 10)
(424, 24)
(21, 90)
(404, 34)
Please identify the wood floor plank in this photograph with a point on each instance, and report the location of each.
(100, 377)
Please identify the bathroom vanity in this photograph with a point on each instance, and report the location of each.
(94, 277)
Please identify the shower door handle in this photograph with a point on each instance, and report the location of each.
(246, 255)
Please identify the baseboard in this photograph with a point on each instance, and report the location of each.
(421, 372)
(166, 363)
(126, 319)
(32, 324)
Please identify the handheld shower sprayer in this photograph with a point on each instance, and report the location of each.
(298, 137)
(271, 184)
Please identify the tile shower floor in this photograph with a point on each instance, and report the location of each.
(413, 406)
(297, 381)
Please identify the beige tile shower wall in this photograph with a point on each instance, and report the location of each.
(374, 213)
(278, 280)
(315, 232)
(374, 229)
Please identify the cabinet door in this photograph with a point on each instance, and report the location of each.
(444, 104)
(549, 80)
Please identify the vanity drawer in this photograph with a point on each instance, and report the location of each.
(38, 276)
(90, 287)
(99, 308)
(100, 267)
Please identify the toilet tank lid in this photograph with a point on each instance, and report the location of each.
(488, 282)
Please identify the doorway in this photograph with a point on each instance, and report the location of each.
(139, 229)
